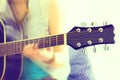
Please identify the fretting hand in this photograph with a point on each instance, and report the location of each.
(32, 52)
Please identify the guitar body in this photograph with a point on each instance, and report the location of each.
(10, 66)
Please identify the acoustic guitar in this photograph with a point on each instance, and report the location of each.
(79, 37)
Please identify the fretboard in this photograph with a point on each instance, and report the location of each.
(16, 47)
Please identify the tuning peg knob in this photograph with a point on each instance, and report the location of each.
(106, 48)
(105, 23)
(93, 23)
(94, 49)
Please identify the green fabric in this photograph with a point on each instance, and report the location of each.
(32, 71)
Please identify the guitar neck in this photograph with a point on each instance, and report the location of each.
(77, 38)
(16, 47)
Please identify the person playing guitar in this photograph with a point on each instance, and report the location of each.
(34, 18)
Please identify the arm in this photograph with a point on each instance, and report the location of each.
(55, 27)
(60, 64)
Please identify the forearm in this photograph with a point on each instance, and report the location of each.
(60, 67)
(59, 58)
(59, 72)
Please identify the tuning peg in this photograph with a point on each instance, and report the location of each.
(105, 23)
(93, 23)
(106, 48)
(84, 50)
(94, 49)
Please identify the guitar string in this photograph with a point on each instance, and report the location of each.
(75, 35)
(68, 34)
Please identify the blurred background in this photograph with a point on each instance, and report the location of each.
(105, 64)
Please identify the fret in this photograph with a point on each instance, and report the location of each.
(35, 41)
(7, 48)
(60, 39)
(47, 41)
(2, 50)
(53, 41)
(41, 43)
(22, 45)
(31, 41)
(17, 47)
(26, 42)
(13, 48)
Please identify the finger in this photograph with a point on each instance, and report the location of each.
(35, 46)
(50, 49)
(27, 48)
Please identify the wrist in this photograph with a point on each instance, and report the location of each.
(51, 60)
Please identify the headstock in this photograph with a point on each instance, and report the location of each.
(80, 37)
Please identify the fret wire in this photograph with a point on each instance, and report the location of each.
(10, 50)
(38, 43)
(50, 41)
(53, 40)
(6, 48)
(60, 39)
(22, 45)
(26, 42)
(18, 46)
(11, 47)
(46, 42)
(15, 47)
(31, 41)
(35, 41)
(41, 43)
(2, 49)
(56, 39)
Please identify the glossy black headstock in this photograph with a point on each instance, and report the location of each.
(80, 37)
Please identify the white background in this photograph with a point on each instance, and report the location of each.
(105, 64)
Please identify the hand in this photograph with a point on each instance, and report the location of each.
(32, 52)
